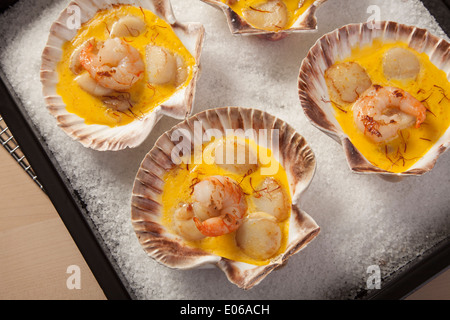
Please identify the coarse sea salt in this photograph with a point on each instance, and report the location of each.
(364, 220)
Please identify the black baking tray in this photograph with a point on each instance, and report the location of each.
(71, 209)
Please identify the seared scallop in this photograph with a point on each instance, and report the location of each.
(259, 236)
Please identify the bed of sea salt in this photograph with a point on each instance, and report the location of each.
(364, 220)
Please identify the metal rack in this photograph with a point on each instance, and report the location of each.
(10, 144)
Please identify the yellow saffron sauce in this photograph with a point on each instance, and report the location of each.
(295, 8)
(179, 184)
(431, 87)
(144, 96)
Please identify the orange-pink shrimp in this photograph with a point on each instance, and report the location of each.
(113, 64)
(221, 203)
(381, 112)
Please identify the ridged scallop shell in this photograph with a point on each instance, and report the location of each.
(337, 45)
(305, 22)
(101, 137)
(146, 209)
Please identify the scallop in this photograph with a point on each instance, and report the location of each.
(184, 225)
(175, 251)
(128, 26)
(89, 85)
(271, 198)
(235, 156)
(165, 67)
(103, 137)
(346, 81)
(259, 236)
(400, 64)
(271, 15)
(161, 65)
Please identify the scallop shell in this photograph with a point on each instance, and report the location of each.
(146, 209)
(101, 137)
(305, 22)
(337, 45)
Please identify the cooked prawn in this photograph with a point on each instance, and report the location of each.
(381, 112)
(113, 63)
(222, 202)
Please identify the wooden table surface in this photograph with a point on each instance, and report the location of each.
(36, 250)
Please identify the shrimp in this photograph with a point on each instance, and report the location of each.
(221, 202)
(113, 63)
(119, 102)
(75, 63)
(381, 112)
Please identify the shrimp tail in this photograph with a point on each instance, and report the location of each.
(421, 118)
(86, 56)
(216, 226)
